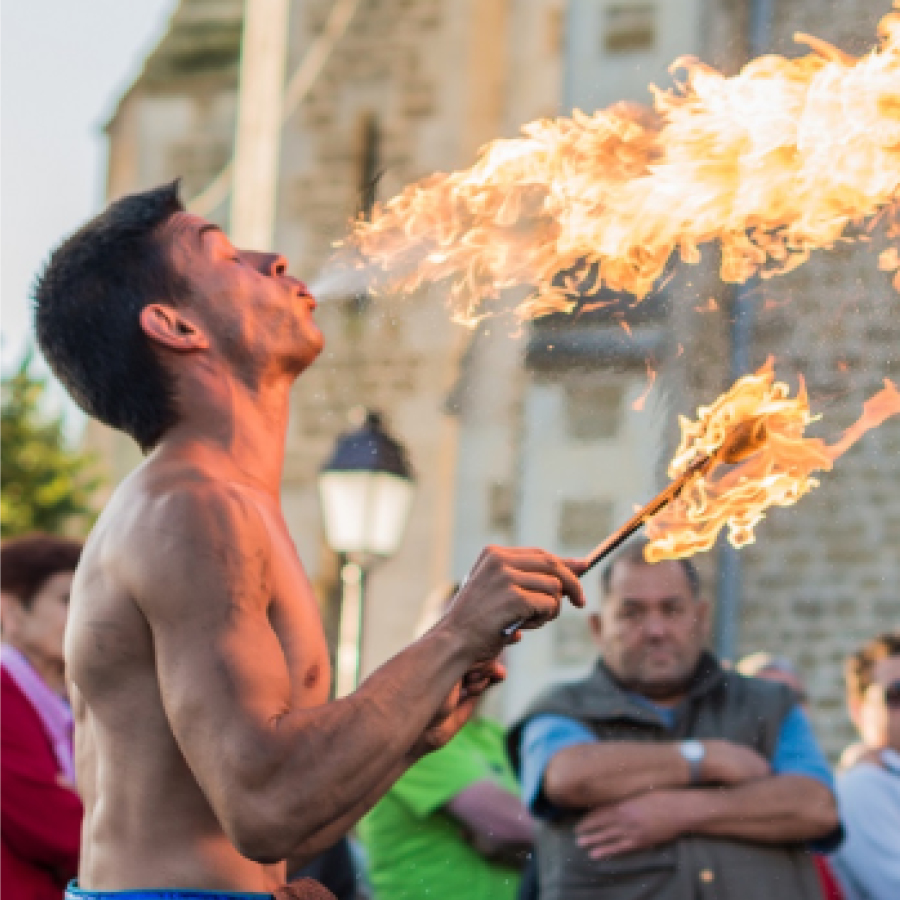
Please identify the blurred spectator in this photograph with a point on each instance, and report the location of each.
(41, 812)
(335, 869)
(453, 826)
(868, 862)
(777, 668)
(618, 766)
(774, 668)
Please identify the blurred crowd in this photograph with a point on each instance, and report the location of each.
(665, 773)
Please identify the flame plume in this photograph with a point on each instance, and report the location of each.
(772, 163)
(779, 473)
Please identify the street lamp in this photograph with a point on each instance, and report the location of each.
(366, 490)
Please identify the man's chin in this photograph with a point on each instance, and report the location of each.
(659, 686)
(305, 355)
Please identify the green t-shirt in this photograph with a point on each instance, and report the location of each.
(416, 849)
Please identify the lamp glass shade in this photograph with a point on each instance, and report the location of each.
(364, 512)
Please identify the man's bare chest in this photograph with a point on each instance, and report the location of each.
(297, 623)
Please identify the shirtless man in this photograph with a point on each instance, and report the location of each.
(206, 749)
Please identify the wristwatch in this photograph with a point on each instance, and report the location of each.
(693, 752)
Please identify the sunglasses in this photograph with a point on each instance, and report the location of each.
(892, 695)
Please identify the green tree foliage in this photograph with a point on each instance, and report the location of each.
(46, 485)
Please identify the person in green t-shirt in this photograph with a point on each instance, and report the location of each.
(453, 826)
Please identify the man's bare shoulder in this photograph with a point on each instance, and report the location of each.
(175, 526)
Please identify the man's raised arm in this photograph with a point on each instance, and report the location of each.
(275, 776)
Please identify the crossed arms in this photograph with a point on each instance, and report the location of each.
(638, 795)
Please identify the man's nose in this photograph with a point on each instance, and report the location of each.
(655, 627)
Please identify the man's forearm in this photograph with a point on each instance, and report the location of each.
(498, 822)
(772, 810)
(334, 831)
(361, 744)
(588, 775)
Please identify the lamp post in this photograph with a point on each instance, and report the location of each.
(366, 490)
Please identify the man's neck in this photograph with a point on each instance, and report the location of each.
(246, 426)
(670, 701)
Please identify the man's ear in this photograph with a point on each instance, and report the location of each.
(596, 626)
(172, 328)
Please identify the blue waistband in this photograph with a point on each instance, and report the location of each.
(74, 892)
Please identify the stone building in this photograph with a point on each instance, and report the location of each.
(530, 438)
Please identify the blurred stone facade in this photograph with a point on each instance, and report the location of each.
(530, 437)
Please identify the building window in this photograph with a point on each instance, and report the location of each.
(593, 412)
(573, 644)
(629, 27)
(501, 511)
(584, 523)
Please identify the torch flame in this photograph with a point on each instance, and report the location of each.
(772, 163)
(760, 427)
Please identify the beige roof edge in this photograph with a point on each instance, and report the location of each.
(208, 31)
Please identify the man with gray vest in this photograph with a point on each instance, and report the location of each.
(662, 775)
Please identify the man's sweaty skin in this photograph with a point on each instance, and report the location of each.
(206, 748)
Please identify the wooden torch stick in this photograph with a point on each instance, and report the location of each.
(743, 441)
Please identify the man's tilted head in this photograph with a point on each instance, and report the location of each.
(147, 310)
(88, 302)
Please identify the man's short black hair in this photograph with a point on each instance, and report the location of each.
(88, 302)
(27, 562)
(633, 552)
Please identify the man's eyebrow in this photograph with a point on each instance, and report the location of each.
(207, 227)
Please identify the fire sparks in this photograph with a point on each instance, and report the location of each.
(638, 404)
(772, 163)
(776, 471)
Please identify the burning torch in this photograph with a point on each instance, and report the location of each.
(741, 442)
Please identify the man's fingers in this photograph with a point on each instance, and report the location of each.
(614, 848)
(571, 584)
(543, 608)
(546, 564)
(539, 582)
(596, 821)
(486, 674)
(600, 835)
(576, 566)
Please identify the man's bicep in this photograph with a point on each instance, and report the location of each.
(205, 587)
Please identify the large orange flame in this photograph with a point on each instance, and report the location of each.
(771, 163)
(779, 473)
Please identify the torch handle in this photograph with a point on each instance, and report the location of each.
(663, 498)
(618, 537)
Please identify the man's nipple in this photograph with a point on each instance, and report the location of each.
(311, 679)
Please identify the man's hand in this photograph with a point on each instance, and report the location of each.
(634, 824)
(506, 586)
(459, 706)
(728, 763)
